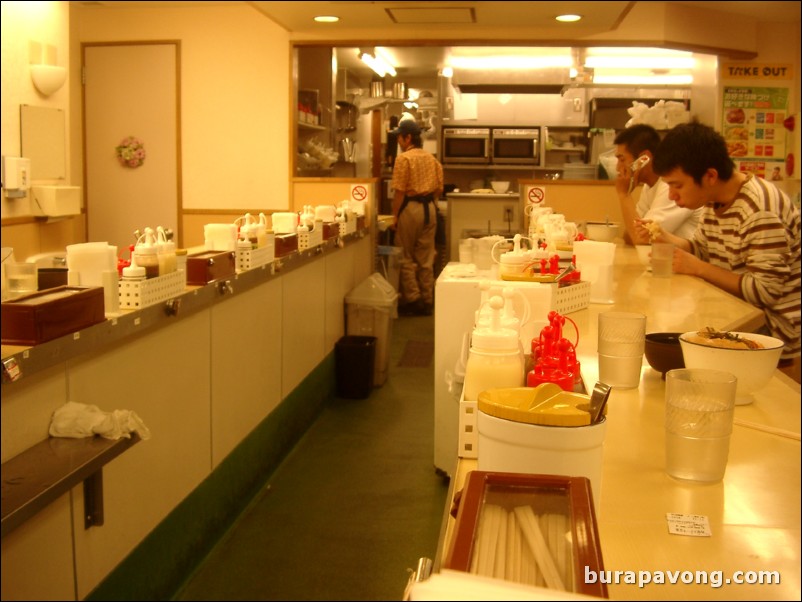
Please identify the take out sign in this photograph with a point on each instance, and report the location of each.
(757, 71)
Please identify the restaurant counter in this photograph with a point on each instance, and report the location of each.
(753, 513)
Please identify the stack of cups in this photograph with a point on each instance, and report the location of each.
(595, 260)
(622, 336)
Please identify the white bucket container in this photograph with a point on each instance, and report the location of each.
(510, 446)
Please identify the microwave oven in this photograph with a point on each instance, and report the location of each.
(515, 146)
(466, 145)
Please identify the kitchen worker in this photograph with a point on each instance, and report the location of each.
(748, 240)
(636, 146)
(418, 182)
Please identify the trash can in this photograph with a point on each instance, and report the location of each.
(354, 358)
(370, 309)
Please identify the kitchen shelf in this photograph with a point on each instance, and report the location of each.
(311, 126)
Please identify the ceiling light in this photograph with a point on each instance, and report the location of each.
(374, 59)
(643, 80)
(568, 18)
(327, 19)
(640, 62)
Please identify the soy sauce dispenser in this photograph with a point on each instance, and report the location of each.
(554, 356)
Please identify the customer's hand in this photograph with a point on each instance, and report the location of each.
(687, 263)
(645, 231)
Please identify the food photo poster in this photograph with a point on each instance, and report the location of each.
(756, 118)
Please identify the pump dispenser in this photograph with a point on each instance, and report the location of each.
(146, 253)
(516, 260)
(495, 359)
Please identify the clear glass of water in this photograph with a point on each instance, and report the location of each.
(700, 406)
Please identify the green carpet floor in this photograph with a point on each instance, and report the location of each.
(353, 507)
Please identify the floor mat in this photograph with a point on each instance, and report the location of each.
(417, 354)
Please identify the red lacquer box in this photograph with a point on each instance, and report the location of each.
(537, 530)
(50, 314)
(208, 266)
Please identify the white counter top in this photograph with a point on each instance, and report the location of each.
(753, 513)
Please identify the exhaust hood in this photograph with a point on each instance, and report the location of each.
(546, 80)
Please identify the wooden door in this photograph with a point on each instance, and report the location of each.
(131, 90)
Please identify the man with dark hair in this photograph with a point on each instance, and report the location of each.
(418, 182)
(635, 146)
(748, 241)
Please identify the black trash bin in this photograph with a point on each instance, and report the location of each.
(354, 358)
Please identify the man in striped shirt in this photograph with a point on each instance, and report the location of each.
(748, 239)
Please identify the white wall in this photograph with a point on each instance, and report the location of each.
(235, 75)
(26, 24)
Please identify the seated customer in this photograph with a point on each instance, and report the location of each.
(748, 240)
(653, 205)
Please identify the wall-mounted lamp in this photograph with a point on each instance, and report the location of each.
(380, 64)
(48, 78)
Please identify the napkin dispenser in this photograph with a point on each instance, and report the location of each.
(528, 528)
(208, 266)
(50, 314)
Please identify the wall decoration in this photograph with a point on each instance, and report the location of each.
(131, 152)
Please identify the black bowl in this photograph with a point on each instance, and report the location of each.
(663, 351)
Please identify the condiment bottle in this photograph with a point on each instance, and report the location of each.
(146, 254)
(134, 271)
(166, 253)
(495, 359)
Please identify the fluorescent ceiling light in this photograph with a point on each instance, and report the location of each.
(510, 62)
(640, 62)
(643, 80)
(327, 19)
(377, 61)
(568, 18)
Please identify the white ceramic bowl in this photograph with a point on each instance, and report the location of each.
(601, 231)
(500, 187)
(752, 367)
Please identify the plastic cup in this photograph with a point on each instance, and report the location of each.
(620, 372)
(662, 259)
(622, 334)
(21, 278)
(700, 406)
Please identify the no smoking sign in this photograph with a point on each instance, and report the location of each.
(359, 192)
(536, 195)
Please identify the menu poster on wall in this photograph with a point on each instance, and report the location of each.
(755, 106)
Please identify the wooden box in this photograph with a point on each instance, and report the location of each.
(208, 266)
(331, 230)
(533, 529)
(50, 314)
(286, 244)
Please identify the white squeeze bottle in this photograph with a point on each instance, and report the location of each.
(495, 360)
(165, 250)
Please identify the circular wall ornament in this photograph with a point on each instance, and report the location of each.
(131, 152)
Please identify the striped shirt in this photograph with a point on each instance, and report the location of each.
(758, 237)
(417, 173)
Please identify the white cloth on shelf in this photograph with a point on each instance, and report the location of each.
(78, 420)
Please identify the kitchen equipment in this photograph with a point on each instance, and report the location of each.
(753, 367)
(400, 90)
(50, 314)
(377, 89)
(663, 351)
(349, 150)
(602, 231)
(466, 145)
(515, 146)
(598, 401)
